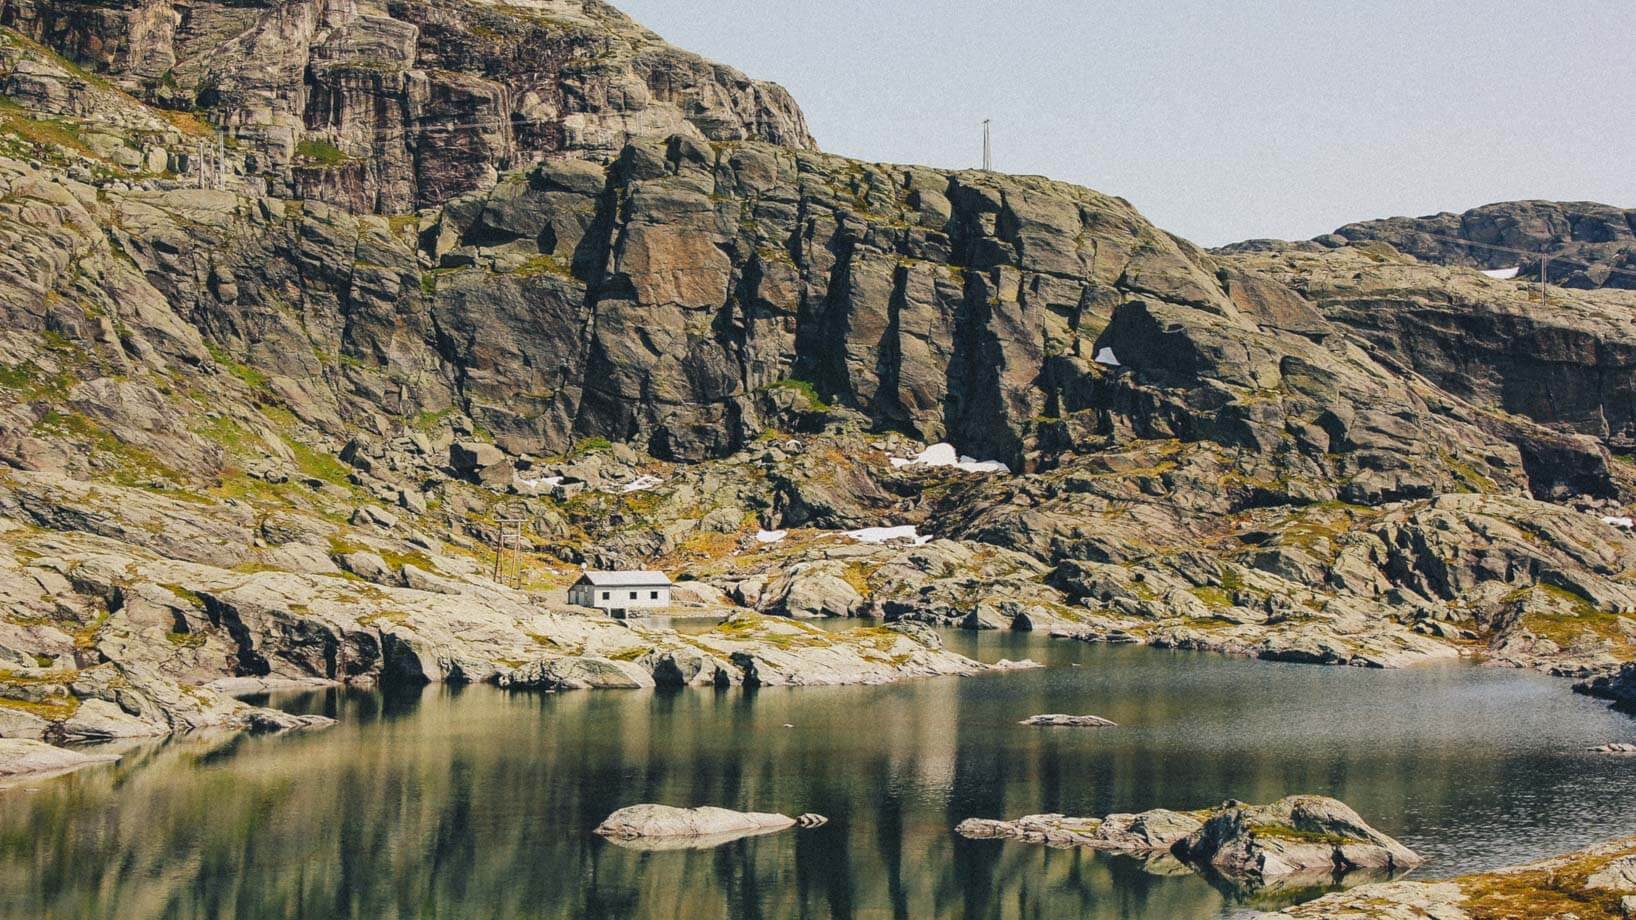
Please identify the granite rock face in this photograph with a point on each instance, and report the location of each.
(1591, 245)
(394, 105)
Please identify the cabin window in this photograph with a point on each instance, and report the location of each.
(653, 595)
(604, 595)
(633, 595)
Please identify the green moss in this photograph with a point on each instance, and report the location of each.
(805, 388)
(186, 639)
(28, 380)
(192, 597)
(53, 711)
(396, 559)
(320, 152)
(129, 465)
(1553, 889)
(253, 378)
(1297, 835)
(1212, 596)
(544, 264)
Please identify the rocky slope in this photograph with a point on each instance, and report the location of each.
(250, 438)
(1590, 245)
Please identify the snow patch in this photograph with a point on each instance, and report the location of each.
(642, 484)
(1503, 274)
(771, 536)
(1105, 356)
(1626, 523)
(545, 482)
(888, 534)
(943, 455)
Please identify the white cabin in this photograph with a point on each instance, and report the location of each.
(618, 592)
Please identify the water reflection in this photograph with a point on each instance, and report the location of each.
(480, 803)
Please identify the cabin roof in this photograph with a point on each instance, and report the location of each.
(625, 579)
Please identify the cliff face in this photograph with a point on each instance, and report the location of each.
(391, 106)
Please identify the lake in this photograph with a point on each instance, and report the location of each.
(480, 803)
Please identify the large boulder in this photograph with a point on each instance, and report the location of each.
(1298, 835)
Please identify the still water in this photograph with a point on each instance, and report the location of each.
(479, 803)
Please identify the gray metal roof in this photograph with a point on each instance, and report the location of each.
(625, 579)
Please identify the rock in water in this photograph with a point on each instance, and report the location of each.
(1153, 831)
(1309, 838)
(36, 758)
(1066, 721)
(1298, 835)
(272, 721)
(1615, 748)
(667, 827)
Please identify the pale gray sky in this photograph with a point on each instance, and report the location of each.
(1220, 121)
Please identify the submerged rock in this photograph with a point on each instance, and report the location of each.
(1614, 748)
(667, 827)
(1067, 721)
(20, 757)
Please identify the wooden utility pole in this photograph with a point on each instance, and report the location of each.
(988, 150)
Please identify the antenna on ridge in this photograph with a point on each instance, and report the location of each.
(988, 149)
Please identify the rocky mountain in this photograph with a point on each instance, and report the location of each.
(256, 434)
(1590, 245)
(392, 105)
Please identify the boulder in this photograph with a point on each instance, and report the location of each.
(666, 827)
(1298, 835)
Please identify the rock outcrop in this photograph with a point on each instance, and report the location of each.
(1296, 836)
(660, 827)
(1598, 882)
(1149, 832)
(1299, 839)
(394, 106)
(24, 758)
(1590, 245)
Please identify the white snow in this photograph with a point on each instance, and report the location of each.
(771, 536)
(546, 482)
(946, 455)
(1626, 523)
(886, 534)
(1105, 356)
(642, 484)
(1504, 274)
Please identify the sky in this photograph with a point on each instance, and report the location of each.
(1219, 121)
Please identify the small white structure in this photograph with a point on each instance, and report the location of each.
(620, 592)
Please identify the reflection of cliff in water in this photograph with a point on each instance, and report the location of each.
(477, 802)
